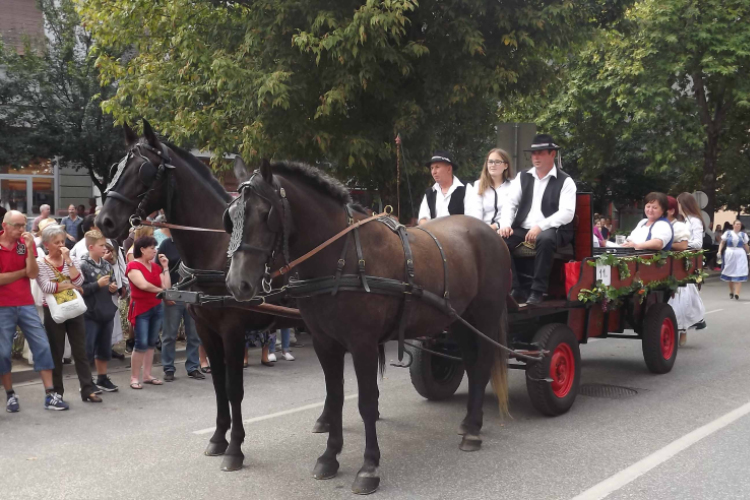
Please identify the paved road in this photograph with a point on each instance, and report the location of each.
(143, 444)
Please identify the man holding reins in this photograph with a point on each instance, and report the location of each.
(539, 212)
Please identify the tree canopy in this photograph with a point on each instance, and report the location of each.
(50, 99)
(330, 81)
(665, 91)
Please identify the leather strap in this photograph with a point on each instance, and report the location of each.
(288, 267)
(177, 226)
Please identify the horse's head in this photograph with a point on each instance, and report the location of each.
(138, 183)
(260, 223)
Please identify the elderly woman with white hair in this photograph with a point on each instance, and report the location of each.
(57, 273)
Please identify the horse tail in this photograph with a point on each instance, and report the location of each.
(499, 376)
(381, 359)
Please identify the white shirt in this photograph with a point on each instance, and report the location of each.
(696, 232)
(79, 250)
(681, 232)
(660, 230)
(441, 201)
(483, 207)
(566, 208)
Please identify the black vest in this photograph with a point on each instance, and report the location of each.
(550, 201)
(455, 206)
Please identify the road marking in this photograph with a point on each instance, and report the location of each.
(277, 414)
(714, 311)
(626, 476)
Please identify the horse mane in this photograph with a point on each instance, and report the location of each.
(315, 178)
(201, 170)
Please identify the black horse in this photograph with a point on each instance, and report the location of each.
(296, 206)
(155, 176)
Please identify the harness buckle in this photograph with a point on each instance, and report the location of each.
(266, 281)
(135, 221)
(361, 263)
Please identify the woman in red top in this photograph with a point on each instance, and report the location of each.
(147, 278)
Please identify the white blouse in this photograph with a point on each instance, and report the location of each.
(486, 207)
(681, 232)
(696, 232)
(661, 230)
(735, 240)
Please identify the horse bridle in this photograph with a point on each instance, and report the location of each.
(152, 177)
(278, 222)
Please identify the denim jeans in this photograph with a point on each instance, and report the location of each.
(285, 334)
(147, 327)
(172, 316)
(27, 318)
(99, 339)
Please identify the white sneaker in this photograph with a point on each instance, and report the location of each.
(287, 356)
(272, 357)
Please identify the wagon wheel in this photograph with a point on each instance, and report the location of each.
(562, 366)
(660, 338)
(435, 377)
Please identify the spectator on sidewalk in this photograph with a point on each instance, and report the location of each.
(147, 279)
(80, 249)
(285, 354)
(44, 211)
(71, 223)
(98, 289)
(81, 209)
(173, 313)
(58, 273)
(18, 266)
(114, 256)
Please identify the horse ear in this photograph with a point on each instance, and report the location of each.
(130, 136)
(150, 135)
(266, 171)
(240, 169)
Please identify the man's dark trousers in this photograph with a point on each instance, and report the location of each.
(546, 244)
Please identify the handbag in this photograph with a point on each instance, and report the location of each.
(64, 305)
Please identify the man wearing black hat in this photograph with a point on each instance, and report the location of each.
(539, 210)
(446, 196)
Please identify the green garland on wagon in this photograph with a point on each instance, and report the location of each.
(609, 296)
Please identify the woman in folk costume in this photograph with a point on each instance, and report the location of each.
(686, 302)
(734, 269)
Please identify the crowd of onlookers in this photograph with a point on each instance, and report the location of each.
(75, 294)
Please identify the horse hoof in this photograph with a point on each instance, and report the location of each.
(232, 463)
(366, 483)
(470, 443)
(215, 449)
(325, 469)
(321, 427)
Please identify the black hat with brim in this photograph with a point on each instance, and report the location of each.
(441, 156)
(543, 142)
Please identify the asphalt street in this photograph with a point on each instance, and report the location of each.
(651, 445)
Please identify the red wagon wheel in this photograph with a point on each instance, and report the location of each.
(553, 383)
(660, 338)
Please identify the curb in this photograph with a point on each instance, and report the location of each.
(25, 373)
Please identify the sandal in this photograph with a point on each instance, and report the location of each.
(266, 363)
(153, 381)
(136, 385)
(205, 369)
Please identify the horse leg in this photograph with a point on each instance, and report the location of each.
(366, 367)
(331, 357)
(472, 422)
(215, 352)
(234, 356)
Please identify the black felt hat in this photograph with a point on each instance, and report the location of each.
(543, 142)
(441, 156)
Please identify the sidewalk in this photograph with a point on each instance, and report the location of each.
(23, 372)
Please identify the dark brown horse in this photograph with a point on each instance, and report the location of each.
(478, 265)
(196, 199)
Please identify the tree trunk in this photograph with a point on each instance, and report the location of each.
(710, 159)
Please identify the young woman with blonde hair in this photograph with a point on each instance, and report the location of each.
(485, 199)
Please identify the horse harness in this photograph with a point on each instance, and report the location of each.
(151, 176)
(360, 282)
